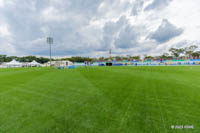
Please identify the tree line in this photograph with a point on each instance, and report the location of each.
(189, 52)
(5, 58)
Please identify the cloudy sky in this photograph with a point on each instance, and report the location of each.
(92, 27)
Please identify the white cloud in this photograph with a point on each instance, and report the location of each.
(1, 3)
(91, 27)
(52, 14)
(165, 32)
(4, 31)
(158, 4)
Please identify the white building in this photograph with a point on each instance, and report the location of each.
(59, 63)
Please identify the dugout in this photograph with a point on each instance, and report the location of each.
(108, 63)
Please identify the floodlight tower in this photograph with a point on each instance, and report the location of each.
(110, 53)
(50, 42)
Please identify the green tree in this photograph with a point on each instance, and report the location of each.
(135, 57)
(176, 51)
(2, 58)
(148, 58)
(196, 54)
(190, 50)
(166, 56)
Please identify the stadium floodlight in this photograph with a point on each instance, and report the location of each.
(110, 53)
(50, 42)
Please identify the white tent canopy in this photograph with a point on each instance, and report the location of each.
(14, 63)
(34, 63)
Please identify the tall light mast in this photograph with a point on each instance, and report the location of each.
(110, 53)
(50, 42)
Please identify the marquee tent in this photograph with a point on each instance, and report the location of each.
(34, 64)
(14, 63)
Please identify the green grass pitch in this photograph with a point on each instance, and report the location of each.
(100, 100)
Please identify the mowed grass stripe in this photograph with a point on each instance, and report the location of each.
(99, 99)
(121, 89)
(178, 89)
(121, 115)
